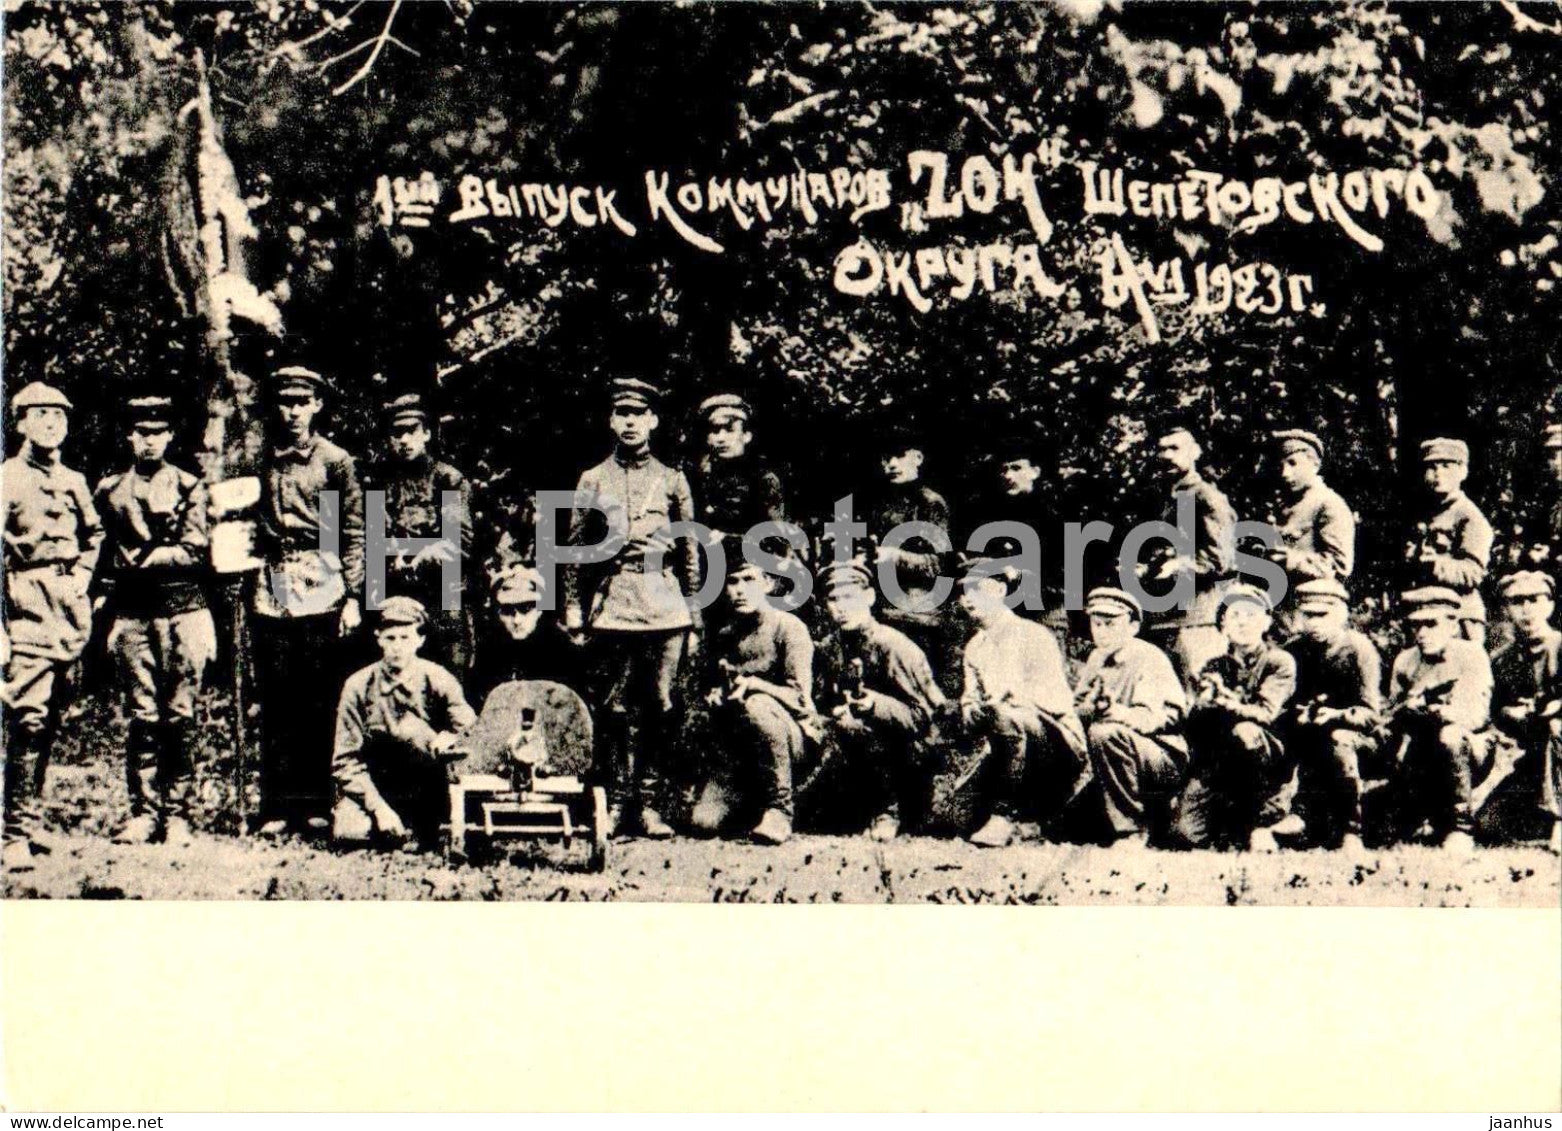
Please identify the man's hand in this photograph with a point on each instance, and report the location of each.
(715, 697)
(1323, 716)
(352, 617)
(575, 625)
(1114, 713)
(389, 823)
(742, 688)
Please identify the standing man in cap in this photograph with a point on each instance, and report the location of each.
(1452, 541)
(878, 699)
(396, 723)
(901, 497)
(413, 486)
(1191, 635)
(737, 491)
(1317, 529)
(1527, 711)
(1016, 704)
(758, 697)
(639, 608)
(1133, 708)
(52, 539)
(306, 602)
(1439, 697)
(152, 576)
(1017, 495)
(1332, 729)
(1239, 762)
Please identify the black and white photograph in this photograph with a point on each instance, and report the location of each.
(1068, 453)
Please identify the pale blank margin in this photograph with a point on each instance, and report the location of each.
(190, 1007)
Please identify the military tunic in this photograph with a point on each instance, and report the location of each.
(1239, 762)
(1318, 533)
(1441, 755)
(1452, 548)
(384, 756)
(1194, 639)
(1140, 757)
(1531, 673)
(872, 760)
(1019, 707)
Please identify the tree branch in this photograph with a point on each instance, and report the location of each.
(332, 24)
(1523, 22)
(378, 46)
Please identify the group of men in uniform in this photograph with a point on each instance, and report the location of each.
(1226, 722)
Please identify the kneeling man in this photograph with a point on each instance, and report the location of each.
(758, 698)
(1133, 706)
(396, 721)
(1017, 705)
(1239, 763)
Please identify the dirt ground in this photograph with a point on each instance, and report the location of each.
(86, 797)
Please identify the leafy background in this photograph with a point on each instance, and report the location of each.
(1451, 329)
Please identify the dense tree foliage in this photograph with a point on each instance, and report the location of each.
(1451, 327)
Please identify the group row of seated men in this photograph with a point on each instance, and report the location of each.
(1212, 734)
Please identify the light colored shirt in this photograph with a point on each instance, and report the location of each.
(413, 706)
(1137, 677)
(1018, 661)
(1459, 679)
(1318, 532)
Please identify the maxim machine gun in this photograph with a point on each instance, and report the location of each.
(520, 777)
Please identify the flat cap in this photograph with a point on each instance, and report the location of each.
(1298, 440)
(1105, 599)
(402, 610)
(1320, 589)
(1551, 436)
(149, 410)
(39, 395)
(631, 392)
(1430, 600)
(1526, 583)
(296, 379)
(976, 567)
(848, 575)
(1238, 594)
(516, 584)
(725, 406)
(1443, 450)
(407, 409)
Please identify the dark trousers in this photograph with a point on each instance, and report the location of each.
(29, 741)
(1434, 781)
(748, 751)
(1237, 769)
(298, 679)
(859, 773)
(1140, 776)
(413, 782)
(1330, 779)
(1026, 765)
(636, 679)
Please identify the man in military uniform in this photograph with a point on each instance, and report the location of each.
(520, 641)
(152, 574)
(1190, 636)
(737, 491)
(878, 700)
(1017, 495)
(1239, 764)
(414, 485)
(639, 609)
(1133, 707)
(1439, 699)
(1331, 728)
(1017, 706)
(758, 697)
(396, 723)
(1527, 714)
(1451, 544)
(52, 539)
(901, 497)
(1316, 527)
(306, 601)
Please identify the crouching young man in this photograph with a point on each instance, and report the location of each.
(878, 697)
(1239, 763)
(396, 722)
(1133, 706)
(756, 702)
(1439, 698)
(1017, 706)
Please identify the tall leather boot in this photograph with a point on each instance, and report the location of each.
(177, 780)
(142, 755)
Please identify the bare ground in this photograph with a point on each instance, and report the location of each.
(86, 797)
